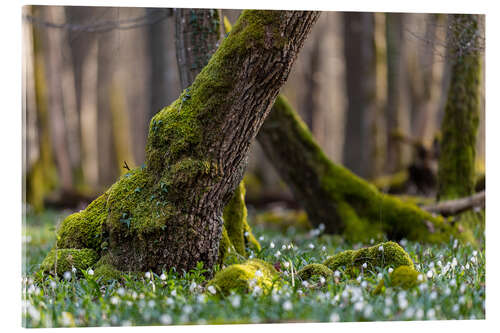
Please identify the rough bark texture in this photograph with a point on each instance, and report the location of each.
(332, 195)
(167, 214)
(236, 233)
(461, 119)
(197, 32)
(359, 51)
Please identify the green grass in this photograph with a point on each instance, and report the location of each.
(455, 288)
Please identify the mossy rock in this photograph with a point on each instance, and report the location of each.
(81, 259)
(242, 278)
(404, 277)
(107, 272)
(388, 254)
(314, 270)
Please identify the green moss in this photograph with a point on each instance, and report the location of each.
(242, 278)
(313, 270)
(388, 254)
(107, 272)
(392, 182)
(84, 229)
(81, 259)
(404, 277)
(284, 219)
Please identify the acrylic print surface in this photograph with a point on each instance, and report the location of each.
(206, 166)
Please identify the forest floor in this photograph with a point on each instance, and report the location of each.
(453, 287)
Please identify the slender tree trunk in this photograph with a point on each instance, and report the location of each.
(397, 92)
(197, 32)
(456, 176)
(360, 57)
(167, 214)
(335, 197)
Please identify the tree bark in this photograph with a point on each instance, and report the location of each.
(456, 171)
(167, 214)
(360, 57)
(333, 196)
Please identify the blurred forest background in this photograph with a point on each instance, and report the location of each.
(371, 86)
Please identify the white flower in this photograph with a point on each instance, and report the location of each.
(261, 238)
(431, 314)
(147, 275)
(456, 307)
(174, 292)
(336, 273)
(165, 319)
(236, 301)
(381, 248)
(67, 275)
(277, 254)
(73, 269)
(212, 290)
(151, 303)
(420, 277)
(192, 286)
(433, 295)
(290, 246)
(257, 290)
(334, 317)
(246, 234)
(462, 288)
(388, 301)
(380, 276)
(287, 306)
(322, 280)
(120, 291)
(391, 270)
(474, 253)
(429, 274)
(358, 306)
(364, 284)
(115, 300)
(311, 246)
(305, 284)
(365, 265)
(431, 265)
(473, 260)
(258, 273)
(201, 299)
(271, 245)
(53, 284)
(453, 282)
(419, 314)
(283, 247)
(286, 264)
(323, 248)
(163, 276)
(467, 266)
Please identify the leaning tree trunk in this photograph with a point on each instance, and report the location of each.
(461, 119)
(196, 41)
(333, 196)
(167, 214)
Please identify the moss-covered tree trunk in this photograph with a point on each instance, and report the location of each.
(334, 196)
(197, 38)
(461, 119)
(167, 214)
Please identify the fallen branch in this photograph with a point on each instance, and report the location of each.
(453, 207)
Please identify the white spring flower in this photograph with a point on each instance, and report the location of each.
(151, 303)
(364, 284)
(286, 264)
(311, 246)
(462, 288)
(305, 284)
(388, 301)
(381, 248)
(454, 263)
(73, 269)
(53, 284)
(440, 264)
(212, 290)
(365, 265)
(277, 254)
(420, 277)
(433, 295)
(261, 238)
(192, 286)
(147, 275)
(358, 306)
(456, 307)
(246, 234)
(271, 245)
(174, 292)
(474, 253)
(67, 275)
(380, 276)
(121, 291)
(322, 280)
(461, 299)
(391, 270)
(467, 266)
(187, 309)
(287, 306)
(403, 303)
(290, 246)
(236, 301)
(419, 314)
(275, 297)
(447, 291)
(334, 317)
(115, 300)
(163, 277)
(283, 247)
(336, 274)
(201, 299)
(429, 274)
(323, 248)
(431, 314)
(431, 265)
(257, 290)
(453, 282)
(165, 319)
(258, 273)
(473, 260)
(387, 312)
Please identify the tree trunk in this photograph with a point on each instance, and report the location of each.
(167, 214)
(397, 93)
(459, 127)
(197, 32)
(335, 197)
(360, 57)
